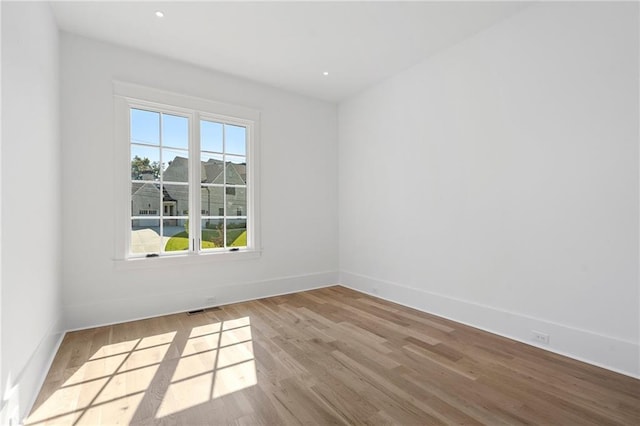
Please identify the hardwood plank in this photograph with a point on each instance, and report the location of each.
(325, 356)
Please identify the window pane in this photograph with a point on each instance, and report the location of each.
(161, 185)
(211, 170)
(175, 163)
(145, 127)
(236, 233)
(210, 136)
(236, 201)
(144, 162)
(175, 200)
(212, 233)
(175, 131)
(175, 236)
(236, 170)
(211, 200)
(145, 199)
(235, 140)
(144, 236)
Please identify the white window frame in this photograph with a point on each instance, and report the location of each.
(127, 96)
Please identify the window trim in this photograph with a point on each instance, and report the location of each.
(128, 95)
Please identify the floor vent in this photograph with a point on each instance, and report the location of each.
(197, 311)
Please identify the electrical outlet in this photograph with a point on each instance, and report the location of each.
(540, 337)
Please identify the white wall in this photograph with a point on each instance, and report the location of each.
(3, 411)
(496, 183)
(298, 140)
(31, 206)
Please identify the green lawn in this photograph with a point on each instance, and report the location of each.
(176, 243)
(241, 241)
(180, 241)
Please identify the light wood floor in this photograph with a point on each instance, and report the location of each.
(328, 356)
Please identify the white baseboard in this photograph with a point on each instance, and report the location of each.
(24, 388)
(115, 311)
(607, 352)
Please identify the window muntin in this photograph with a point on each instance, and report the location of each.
(224, 175)
(159, 141)
(166, 178)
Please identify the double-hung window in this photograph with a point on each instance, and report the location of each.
(188, 169)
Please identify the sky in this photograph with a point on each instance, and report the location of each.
(147, 127)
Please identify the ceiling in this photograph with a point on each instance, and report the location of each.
(288, 45)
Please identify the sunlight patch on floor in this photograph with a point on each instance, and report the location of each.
(127, 383)
(115, 349)
(194, 365)
(143, 357)
(201, 344)
(185, 394)
(235, 354)
(234, 378)
(158, 339)
(108, 388)
(203, 330)
(68, 401)
(217, 360)
(117, 412)
(234, 336)
(100, 368)
(236, 323)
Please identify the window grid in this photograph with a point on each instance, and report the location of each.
(232, 219)
(227, 212)
(163, 214)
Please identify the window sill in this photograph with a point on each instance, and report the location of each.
(185, 259)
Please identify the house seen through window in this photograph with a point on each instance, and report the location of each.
(189, 184)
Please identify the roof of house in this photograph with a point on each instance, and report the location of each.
(178, 171)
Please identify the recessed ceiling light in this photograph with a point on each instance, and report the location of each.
(325, 73)
(159, 14)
